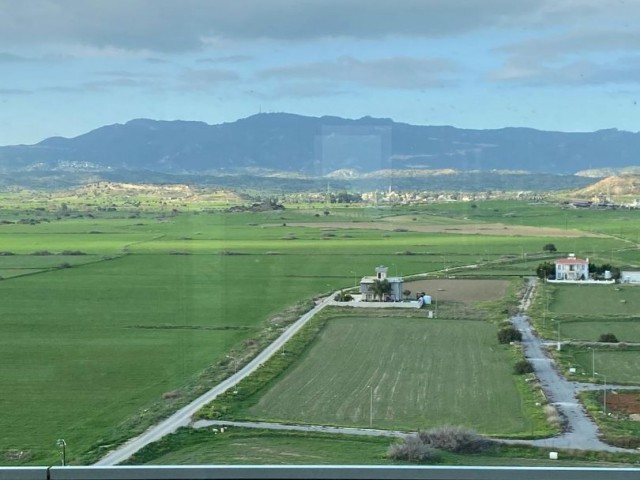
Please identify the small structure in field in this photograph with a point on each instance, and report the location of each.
(630, 277)
(572, 268)
(395, 283)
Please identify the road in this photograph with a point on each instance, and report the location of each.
(182, 417)
(580, 431)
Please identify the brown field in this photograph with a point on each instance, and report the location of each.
(626, 403)
(462, 228)
(465, 291)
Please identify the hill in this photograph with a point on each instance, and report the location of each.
(318, 146)
(627, 185)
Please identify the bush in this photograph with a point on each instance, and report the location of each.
(454, 439)
(413, 449)
(522, 367)
(608, 338)
(342, 297)
(509, 334)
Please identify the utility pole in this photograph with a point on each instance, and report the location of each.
(62, 445)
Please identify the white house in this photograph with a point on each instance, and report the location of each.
(396, 283)
(572, 268)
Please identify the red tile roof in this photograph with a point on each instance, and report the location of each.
(571, 261)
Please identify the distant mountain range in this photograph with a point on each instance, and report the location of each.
(300, 146)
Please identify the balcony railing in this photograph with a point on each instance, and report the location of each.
(315, 473)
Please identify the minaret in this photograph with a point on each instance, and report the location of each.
(381, 272)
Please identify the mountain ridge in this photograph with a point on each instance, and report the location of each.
(318, 146)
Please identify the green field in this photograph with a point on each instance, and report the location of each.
(94, 350)
(239, 446)
(625, 331)
(400, 373)
(618, 365)
(590, 300)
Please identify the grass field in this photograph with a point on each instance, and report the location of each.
(625, 331)
(259, 447)
(590, 300)
(619, 365)
(400, 373)
(85, 348)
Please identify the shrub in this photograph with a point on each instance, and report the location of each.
(413, 449)
(509, 334)
(454, 439)
(342, 297)
(522, 367)
(608, 338)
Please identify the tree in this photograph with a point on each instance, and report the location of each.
(549, 247)
(381, 288)
(545, 270)
(406, 294)
(608, 338)
(522, 367)
(509, 334)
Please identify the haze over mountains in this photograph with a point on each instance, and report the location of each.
(311, 146)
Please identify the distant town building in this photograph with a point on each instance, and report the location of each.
(396, 283)
(572, 268)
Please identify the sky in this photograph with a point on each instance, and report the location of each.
(70, 66)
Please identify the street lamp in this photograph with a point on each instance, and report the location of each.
(435, 297)
(371, 408)
(355, 284)
(62, 445)
(604, 400)
(593, 361)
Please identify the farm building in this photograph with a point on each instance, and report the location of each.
(630, 277)
(396, 283)
(572, 268)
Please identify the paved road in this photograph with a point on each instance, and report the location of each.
(580, 431)
(182, 417)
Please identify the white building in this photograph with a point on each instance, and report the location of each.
(366, 285)
(630, 277)
(572, 268)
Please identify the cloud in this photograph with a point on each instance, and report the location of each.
(577, 57)
(187, 25)
(14, 91)
(206, 78)
(392, 72)
(11, 58)
(573, 43)
(227, 59)
(625, 70)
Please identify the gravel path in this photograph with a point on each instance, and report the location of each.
(580, 431)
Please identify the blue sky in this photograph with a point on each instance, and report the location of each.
(69, 66)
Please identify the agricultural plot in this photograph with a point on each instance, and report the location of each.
(619, 365)
(89, 346)
(625, 331)
(464, 291)
(593, 300)
(400, 373)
